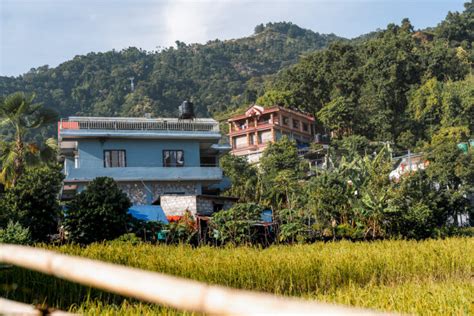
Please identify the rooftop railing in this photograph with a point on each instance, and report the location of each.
(142, 124)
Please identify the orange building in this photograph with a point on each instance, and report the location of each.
(250, 133)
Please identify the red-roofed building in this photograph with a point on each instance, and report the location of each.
(250, 133)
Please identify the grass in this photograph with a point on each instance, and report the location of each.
(432, 277)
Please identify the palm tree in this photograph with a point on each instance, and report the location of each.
(18, 112)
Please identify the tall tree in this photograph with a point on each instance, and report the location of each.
(22, 115)
(33, 203)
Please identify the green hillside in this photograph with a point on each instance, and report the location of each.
(398, 84)
(214, 75)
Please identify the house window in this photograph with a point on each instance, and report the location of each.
(216, 207)
(209, 161)
(264, 120)
(115, 159)
(296, 124)
(305, 127)
(286, 120)
(173, 158)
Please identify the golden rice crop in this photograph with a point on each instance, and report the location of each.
(427, 277)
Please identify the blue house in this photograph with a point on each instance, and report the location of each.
(165, 161)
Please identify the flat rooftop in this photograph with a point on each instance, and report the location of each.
(82, 126)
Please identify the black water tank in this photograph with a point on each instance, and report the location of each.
(186, 110)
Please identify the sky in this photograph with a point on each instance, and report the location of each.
(34, 33)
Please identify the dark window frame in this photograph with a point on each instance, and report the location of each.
(111, 150)
(176, 165)
(296, 124)
(305, 126)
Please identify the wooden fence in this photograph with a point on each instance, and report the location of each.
(182, 294)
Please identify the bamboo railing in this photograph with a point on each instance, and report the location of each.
(13, 308)
(179, 293)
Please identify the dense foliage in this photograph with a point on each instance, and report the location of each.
(33, 202)
(14, 233)
(100, 212)
(355, 198)
(235, 225)
(398, 85)
(20, 115)
(214, 75)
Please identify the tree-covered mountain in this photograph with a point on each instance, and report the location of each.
(214, 75)
(399, 84)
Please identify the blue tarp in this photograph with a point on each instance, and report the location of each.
(148, 213)
(266, 216)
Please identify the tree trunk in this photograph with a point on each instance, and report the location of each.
(19, 162)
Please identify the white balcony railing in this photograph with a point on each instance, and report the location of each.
(144, 124)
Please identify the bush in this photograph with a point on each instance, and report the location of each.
(293, 225)
(145, 230)
(98, 213)
(33, 202)
(14, 233)
(129, 238)
(235, 224)
(182, 231)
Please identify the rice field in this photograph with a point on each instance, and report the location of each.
(432, 277)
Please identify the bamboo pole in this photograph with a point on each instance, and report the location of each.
(10, 308)
(179, 293)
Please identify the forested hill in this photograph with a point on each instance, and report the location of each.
(214, 75)
(398, 84)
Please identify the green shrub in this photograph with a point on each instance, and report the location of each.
(98, 213)
(33, 202)
(462, 231)
(293, 225)
(235, 225)
(130, 238)
(14, 233)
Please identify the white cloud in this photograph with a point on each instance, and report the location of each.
(192, 21)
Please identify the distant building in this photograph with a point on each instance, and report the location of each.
(250, 133)
(408, 163)
(160, 161)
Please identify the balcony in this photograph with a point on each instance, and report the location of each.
(146, 174)
(127, 127)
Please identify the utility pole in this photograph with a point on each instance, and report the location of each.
(132, 85)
